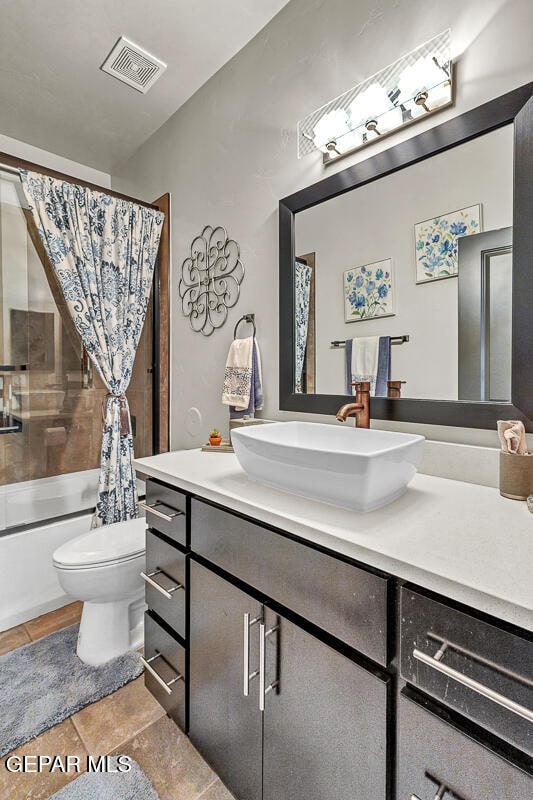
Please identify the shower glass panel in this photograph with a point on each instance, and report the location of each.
(51, 397)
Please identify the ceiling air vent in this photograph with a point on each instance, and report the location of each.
(132, 65)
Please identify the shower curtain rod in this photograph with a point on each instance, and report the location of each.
(11, 170)
(12, 164)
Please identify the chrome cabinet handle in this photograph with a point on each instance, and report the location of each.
(263, 691)
(147, 663)
(247, 675)
(441, 791)
(152, 509)
(149, 578)
(480, 688)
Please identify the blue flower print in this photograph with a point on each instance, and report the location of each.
(349, 277)
(365, 296)
(436, 242)
(458, 229)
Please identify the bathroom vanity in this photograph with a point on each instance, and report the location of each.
(312, 652)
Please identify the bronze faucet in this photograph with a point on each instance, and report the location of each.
(360, 409)
(394, 389)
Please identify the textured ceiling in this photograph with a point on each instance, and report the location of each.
(53, 94)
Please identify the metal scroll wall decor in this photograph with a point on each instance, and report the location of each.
(210, 279)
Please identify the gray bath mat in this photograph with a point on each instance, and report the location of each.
(132, 785)
(44, 682)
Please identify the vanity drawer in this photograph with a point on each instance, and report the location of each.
(473, 666)
(166, 511)
(165, 580)
(433, 753)
(165, 670)
(347, 602)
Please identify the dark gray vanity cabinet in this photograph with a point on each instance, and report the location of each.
(281, 660)
(225, 726)
(167, 558)
(324, 726)
(438, 759)
(274, 710)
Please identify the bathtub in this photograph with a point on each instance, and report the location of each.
(47, 498)
(28, 582)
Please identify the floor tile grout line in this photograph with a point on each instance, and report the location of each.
(123, 742)
(79, 733)
(206, 788)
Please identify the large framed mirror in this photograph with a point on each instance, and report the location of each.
(422, 276)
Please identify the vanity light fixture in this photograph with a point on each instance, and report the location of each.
(416, 85)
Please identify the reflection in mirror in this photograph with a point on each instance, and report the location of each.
(304, 322)
(485, 315)
(407, 283)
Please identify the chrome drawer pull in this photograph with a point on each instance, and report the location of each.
(152, 509)
(247, 675)
(147, 663)
(441, 791)
(480, 688)
(165, 592)
(445, 644)
(263, 691)
(440, 794)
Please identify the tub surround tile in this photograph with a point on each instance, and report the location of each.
(60, 740)
(13, 638)
(105, 725)
(54, 620)
(175, 768)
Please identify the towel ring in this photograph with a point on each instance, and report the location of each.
(245, 318)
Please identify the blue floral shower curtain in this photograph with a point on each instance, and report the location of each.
(103, 251)
(302, 292)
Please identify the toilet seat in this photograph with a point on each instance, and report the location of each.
(110, 544)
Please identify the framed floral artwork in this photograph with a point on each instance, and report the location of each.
(368, 291)
(436, 242)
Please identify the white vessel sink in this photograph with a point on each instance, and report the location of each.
(354, 468)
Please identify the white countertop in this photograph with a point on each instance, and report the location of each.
(458, 539)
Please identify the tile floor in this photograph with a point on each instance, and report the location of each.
(129, 721)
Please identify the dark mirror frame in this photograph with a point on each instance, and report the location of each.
(514, 107)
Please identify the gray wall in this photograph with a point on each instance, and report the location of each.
(229, 153)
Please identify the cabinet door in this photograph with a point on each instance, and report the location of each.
(225, 726)
(324, 721)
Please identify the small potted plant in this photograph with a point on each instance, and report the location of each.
(215, 438)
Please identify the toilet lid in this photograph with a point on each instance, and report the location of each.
(110, 543)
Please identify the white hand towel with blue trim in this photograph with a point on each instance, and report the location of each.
(243, 389)
(368, 359)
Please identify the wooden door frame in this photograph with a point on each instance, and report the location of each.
(161, 349)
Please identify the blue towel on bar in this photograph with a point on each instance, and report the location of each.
(383, 366)
(379, 383)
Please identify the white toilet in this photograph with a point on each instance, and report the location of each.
(103, 568)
